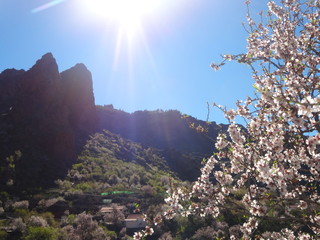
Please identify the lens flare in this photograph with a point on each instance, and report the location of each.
(46, 6)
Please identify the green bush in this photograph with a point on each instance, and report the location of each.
(71, 218)
(23, 213)
(49, 217)
(85, 186)
(110, 234)
(41, 233)
(4, 196)
(3, 235)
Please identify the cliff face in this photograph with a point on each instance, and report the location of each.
(78, 97)
(46, 116)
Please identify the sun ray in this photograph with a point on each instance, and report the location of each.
(119, 43)
(127, 17)
(150, 55)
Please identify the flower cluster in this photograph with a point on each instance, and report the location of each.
(275, 158)
(140, 235)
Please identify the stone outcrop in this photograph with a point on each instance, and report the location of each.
(47, 116)
(78, 96)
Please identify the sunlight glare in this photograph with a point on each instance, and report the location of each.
(127, 13)
(127, 17)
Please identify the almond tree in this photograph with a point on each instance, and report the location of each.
(275, 159)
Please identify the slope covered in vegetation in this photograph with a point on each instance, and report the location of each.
(109, 169)
(112, 163)
(110, 172)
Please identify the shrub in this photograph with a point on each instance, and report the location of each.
(18, 225)
(41, 233)
(1, 211)
(21, 205)
(37, 221)
(3, 235)
(84, 227)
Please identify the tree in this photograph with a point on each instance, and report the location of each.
(115, 217)
(8, 168)
(272, 164)
(205, 233)
(84, 227)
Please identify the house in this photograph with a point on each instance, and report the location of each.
(113, 214)
(106, 210)
(135, 221)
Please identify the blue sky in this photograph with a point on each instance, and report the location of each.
(164, 64)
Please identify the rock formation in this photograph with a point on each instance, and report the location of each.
(46, 116)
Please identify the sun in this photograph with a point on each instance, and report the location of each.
(127, 16)
(127, 13)
(129, 21)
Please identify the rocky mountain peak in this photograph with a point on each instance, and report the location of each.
(46, 68)
(46, 59)
(47, 118)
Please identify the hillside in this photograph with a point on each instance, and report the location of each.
(62, 157)
(162, 129)
(110, 173)
(47, 117)
(109, 162)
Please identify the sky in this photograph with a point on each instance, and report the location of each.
(157, 58)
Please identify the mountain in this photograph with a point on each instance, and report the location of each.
(162, 129)
(45, 117)
(183, 140)
(61, 155)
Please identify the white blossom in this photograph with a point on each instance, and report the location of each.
(275, 159)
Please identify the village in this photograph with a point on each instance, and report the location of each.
(116, 210)
(125, 214)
